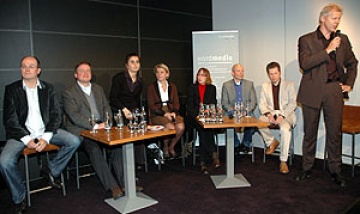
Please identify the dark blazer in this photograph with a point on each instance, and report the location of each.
(313, 60)
(77, 108)
(193, 100)
(16, 109)
(155, 103)
(120, 94)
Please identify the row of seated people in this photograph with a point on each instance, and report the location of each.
(32, 117)
(277, 105)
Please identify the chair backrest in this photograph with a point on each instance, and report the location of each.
(351, 119)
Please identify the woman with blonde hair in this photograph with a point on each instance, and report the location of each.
(164, 105)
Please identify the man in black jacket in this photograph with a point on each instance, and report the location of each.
(32, 118)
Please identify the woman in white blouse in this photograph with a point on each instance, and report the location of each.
(164, 106)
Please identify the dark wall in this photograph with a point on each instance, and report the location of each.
(62, 33)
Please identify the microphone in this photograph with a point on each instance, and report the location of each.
(337, 33)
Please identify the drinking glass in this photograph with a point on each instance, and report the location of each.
(108, 122)
(92, 121)
(130, 124)
(136, 117)
(248, 108)
(119, 120)
(237, 112)
(201, 113)
(242, 110)
(219, 113)
(213, 113)
(207, 113)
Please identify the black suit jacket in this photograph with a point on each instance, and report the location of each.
(193, 100)
(16, 109)
(120, 94)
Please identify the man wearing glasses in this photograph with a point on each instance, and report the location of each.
(32, 119)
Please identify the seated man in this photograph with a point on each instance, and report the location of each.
(82, 100)
(277, 105)
(32, 118)
(239, 90)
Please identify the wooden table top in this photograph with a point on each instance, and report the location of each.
(230, 123)
(123, 136)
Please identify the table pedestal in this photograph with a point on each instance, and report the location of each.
(132, 201)
(230, 180)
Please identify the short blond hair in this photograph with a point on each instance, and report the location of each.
(163, 66)
(332, 7)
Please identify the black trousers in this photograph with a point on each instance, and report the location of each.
(206, 143)
(101, 167)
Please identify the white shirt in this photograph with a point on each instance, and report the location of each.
(34, 122)
(164, 95)
(86, 90)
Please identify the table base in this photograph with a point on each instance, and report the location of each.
(223, 181)
(127, 205)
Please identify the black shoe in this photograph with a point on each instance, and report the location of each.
(166, 156)
(53, 181)
(237, 150)
(204, 168)
(338, 179)
(244, 150)
(174, 156)
(140, 167)
(303, 175)
(20, 208)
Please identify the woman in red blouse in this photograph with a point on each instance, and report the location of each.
(202, 91)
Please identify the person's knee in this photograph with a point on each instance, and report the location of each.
(74, 141)
(77, 142)
(6, 162)
(181, 127)
(285, 128)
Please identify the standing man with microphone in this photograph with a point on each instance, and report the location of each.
(325, 58)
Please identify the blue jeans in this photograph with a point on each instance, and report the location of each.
(247, 139)
(13, 149)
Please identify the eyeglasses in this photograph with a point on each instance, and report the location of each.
(202, 74)
(30, 67)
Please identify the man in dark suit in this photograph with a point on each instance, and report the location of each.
(325, 57)
(82, 100)
(32, 118)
